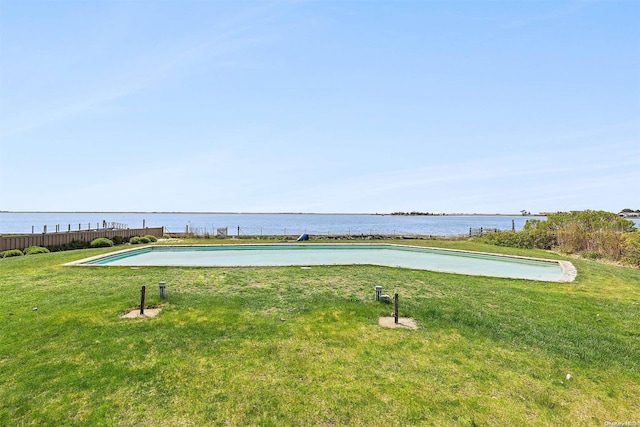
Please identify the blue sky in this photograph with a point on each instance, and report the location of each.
(333, 106)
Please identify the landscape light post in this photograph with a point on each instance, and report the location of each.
(395, 308)
(142, 300)
(162, 287)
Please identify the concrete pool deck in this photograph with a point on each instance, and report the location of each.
(569, 271)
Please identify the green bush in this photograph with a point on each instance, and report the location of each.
(151, 238)
(525, 239)
(587, 221)
(117, 240)
(144, 239)
(33, 250)
(631, 250)
(74, 244)
(591, 255)
(592, 234)
(134, 240)
(101, 242)
(11, 253)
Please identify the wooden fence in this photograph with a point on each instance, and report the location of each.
(63, 238)
(482, 230)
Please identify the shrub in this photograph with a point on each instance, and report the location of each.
(117, 240)
(592, 255)
(144, 239)
(151, 238)
(33, 250)
(593, 234)
(609, 244)
(525, 239)
(74, 244)
(134, 240)
(11, 253)
(631, 249)
(585, 222)
(101, 242)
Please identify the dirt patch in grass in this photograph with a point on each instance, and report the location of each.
(135, 312)
(259, 285)
(403, 322)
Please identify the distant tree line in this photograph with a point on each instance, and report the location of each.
(591, 234)
(415, 213)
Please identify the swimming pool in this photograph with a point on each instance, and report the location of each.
(287, 254)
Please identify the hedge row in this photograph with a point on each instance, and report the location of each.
(144, 239)
(101, 242)
(31, 250)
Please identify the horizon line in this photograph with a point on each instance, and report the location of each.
(397, 213)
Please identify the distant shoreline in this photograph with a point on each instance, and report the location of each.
(268, 213)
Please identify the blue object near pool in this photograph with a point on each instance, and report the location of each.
(440, 260)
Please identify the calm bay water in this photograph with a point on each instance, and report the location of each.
(261, 224)
(264, 224)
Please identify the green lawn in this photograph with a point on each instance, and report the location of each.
(293, 346)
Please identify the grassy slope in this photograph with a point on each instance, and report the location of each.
(488, 351)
